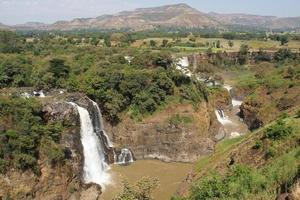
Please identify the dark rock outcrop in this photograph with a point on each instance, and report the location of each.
(250, 116)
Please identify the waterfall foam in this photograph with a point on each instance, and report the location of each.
(95, 169)
(227, 87)
(236, 103)
(222, 118)
(125, 157)
(183, 62)
(39, 94)
(182, 65)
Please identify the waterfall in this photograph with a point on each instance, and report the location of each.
(222, 118)
(227, 87)
(95, 166)
(182, 65)
(39, 94)
(184, 62)
(125, 156)
(235, 102)
(99, 127)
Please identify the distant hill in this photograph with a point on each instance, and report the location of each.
(3, 26)
(270, 22)
(174, 16)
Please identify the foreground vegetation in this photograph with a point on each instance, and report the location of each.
(261, 165)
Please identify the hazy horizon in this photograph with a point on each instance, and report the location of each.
(48, 11)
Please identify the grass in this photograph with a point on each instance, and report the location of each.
(224, 148)
(261, 179)
(254, 45)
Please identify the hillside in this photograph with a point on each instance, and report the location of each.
(180, 15)
(270, 22)
(169, 16)
(260, 165)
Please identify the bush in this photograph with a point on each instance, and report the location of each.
(278, 131)
(283, 54)
(298, 114)
(24, 161)
(257, 145)
(270, 152)
(142, 190)
(238, 183)
(177, 120)
(2, 166)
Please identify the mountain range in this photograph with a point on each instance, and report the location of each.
(169, 16)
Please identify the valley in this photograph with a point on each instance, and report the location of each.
(195, 109)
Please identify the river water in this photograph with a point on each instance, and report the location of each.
(170, 175)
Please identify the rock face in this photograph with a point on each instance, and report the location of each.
(250, 116)
(159, 137)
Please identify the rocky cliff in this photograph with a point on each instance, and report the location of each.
(180, 133)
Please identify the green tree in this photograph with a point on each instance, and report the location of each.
(10, 42)
(164, 43)
(284, 40)
(107, 40)
(230, 43)
(243, 54)
(218, 44)
(152, 43)
(58, 68)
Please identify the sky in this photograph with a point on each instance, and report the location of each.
(49, 11)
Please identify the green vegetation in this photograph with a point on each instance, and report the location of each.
(24, 135)
(138, 87)
(142, 190)
(177, 119)
(276, 168)
(278, 131)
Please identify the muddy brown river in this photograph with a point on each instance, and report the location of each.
(170, 176)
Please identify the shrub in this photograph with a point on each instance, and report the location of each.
(270, 152)
(283, 54)
(238, 183)
(142, 190)
(2, 166)
(278, 131)
(257, 145)
(298, 114)
(24, 161)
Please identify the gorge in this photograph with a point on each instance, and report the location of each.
(97, 149)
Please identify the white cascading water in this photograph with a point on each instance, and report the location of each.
(39, 94)
(95, 167)
(234, 102)
(182, 65)
(99, 124)
(125, 156)
(222, 118)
